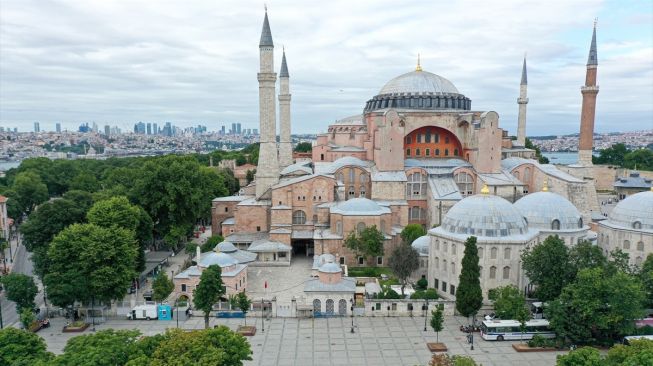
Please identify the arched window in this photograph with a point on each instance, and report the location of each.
(360, 227)
(416, 213)
(453, 267)
(444, 264)
(362, 191)
(506, 273)
(339, 227)
(437, 262)
(352, 192)
(437, 152)
(480, 271)
(516, 174)
(527, 175)
(453, 248)
(493, 253)
(416, 186)
(626, 244)
(342, 307)
(555, 224)
(317, 306)
(340, 177)
(506, 253)
(640, 246)
(446, 152)
(480, 252)
(637, 225)
(352, 173)
(299, 217)
(363, 178)
(437, 244)
(445, 246)
(493, 272)
(455, 152)
(465, 183)
(580, 223)
(314, 219)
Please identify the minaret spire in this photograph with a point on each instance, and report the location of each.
(589, 92)
(285, 141)
(522, 101)
(592, 58)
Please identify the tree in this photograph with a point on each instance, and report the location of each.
(83, 199)
(522, 316)
(422, 284)
(538, 153)
(613, 155)
(22, 347)
(641, 159)
(85, 181)
(403, 261)
(243, 303)
(539, 262)
(304, 147)
(469, 296)
(430, 294)
(26, 317)
(250, 175)
(444, 359)
(162, 287)
(437, 320)
(89, 262)
(598, 306)
(211, 243)
(412, 232)
(104, 348)
(637, 352)
(646, 276)
(368, 243)
(29, 191)
(20, 289)
(586, 255)
(584, 356)
(208, 291)
(620, 261)
(508, 301)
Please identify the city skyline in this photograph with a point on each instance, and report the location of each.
(183, 65)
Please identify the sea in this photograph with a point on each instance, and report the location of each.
(6, 165)
(564, 158)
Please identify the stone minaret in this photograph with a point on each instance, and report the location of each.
(285, 142)
(267, 171)
(589, 91)
(522, 101)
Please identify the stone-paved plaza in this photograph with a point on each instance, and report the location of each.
(376, 341)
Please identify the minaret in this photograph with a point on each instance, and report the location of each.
(267, 171)
(522, 101)
(285, 142)
(589, 91)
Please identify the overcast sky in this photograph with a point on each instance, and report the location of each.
(190, 62)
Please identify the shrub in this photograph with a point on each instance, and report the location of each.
(539, 341)
(422, 284)
(645, 330)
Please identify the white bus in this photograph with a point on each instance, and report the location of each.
(499, 330)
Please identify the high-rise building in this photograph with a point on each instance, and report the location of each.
(57, 127)
(223, 130)
(168, 129)
(155, 129)
(107, 130)
(238, 129)
(95, 128)
(255, 131)
(139, 128)
(84, 127)
(37, 127)
(148, 128)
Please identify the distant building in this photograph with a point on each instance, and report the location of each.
(167, 129)
(222, 130)
(58, 127)
(37, 127)
(149, 128)
(84, 127)
(107, 130)
(155, 129)
(633, 183)
(255, 131)
(4, 220)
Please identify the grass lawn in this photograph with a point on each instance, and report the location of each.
(369, 271)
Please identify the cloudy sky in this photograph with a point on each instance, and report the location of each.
(190, 62)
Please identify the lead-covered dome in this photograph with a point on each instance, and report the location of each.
(419, 82)
(634, 212)
(359, 207)
(484, 215)
(421, 245)
(549, 211)
(221, 259)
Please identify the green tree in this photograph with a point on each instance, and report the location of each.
(403, 261)
(422, 284)
(584, 356)
(539, 262)
(614, 155)
(437, 320)
(162, 287)
(26, 317)
(20, 289)
(244, 303)
(598, 306)
(104, 348)
(29, 191)
(522, 316)
(209, 291)
(304, 147)
(250, 175)
(586, 255)
(538, 153)
(637, 352)
(85, 181)
(83, 199)
(620, 261)
(508, 301)
(469, 296)
(368, 243)
(22, 348)
(641, 159)
(646, 276)
(211, 243)
(412, 232)
(90, 262)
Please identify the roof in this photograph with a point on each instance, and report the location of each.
(242, 256)
(421, 245)
(444, 188)
(541, 208)
(236, 270)
(635, 210)
(244, 237)
(266, 34)
(351, 120)
(592, 57)
(372, 288)
(359, 207)
(436, 163)
(221, 259)
(297, 167)
(332, 167)
(419, 82)
(347, 284)
(508, 164)
(524, 79)
(190, 271)
(268, 246)
(393, 176)
(634, 180)
(330, 267)
(503, 178)
(251, 201)
(284, 67)
(289, 181)
(319, 260)
(232, 198)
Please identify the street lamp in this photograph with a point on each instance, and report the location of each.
(352, 315)
(262, 316)
(172, 276)
(426, 313)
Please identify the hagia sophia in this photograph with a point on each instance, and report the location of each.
(418, 153)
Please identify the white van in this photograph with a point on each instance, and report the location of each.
(146, 312)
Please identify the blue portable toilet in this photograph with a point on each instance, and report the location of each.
(164, 311)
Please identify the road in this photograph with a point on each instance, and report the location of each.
(22, 264)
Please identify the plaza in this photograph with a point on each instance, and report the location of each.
(376, 341)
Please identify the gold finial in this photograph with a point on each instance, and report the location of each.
(485, 189)
(545, 186)
(419, 67)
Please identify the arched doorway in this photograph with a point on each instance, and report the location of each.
(317, 307)
(330, 307)
(432, 142)
(342, 307)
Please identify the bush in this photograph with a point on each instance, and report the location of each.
(369, 271)
(645, 330)
(539, 341)
(422, 284)
(431, 294)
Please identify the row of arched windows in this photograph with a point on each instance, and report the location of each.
(416, 186)
(494, 251)
(491, 275)
(427, 152)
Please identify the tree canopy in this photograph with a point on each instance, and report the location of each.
(620, 155)
(508, 301)
(209, 291)
(22, 348)
(28, 190)
(403, 261)
(162, 287)
(539, 262)
(368, 243)
(412, 232)
(638, 352)
(304, 147)
(20, 289)
(469, 296)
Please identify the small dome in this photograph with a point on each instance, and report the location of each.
(226, 247)
(634, 212)
(330, 267)
(541, 209)
(359, 207)
(484, 215)
(421, 245)
(221, 259)
(419, 82)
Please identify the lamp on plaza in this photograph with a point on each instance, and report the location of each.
(352, 314)
(426, 313)
(262, 316)
(172, 276)
(92, 314)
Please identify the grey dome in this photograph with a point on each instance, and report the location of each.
(484, 215)
(221, 259)
(634, 211)
(419, 82)
(541, 209)
(359, 207)
(421, 245)
(330, 267)
(226, 247)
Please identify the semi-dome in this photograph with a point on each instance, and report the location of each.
(421, 245)
(221, 259)
(634, 212)
(484, 215)
(419, 82)
(330, 267)
(359, 207)
(549, 211)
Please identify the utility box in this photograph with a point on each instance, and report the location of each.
(164, 311)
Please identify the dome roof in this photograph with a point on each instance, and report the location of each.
(330, 267)
(221, 259)
(634, 212)
(419, 82)
(421, 245)
(226, 247)
(541, 208)
(359, 207)
(484, 215)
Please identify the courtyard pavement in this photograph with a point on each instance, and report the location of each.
(284, 282)
(377, 341)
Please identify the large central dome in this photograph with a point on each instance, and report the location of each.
(419, 82)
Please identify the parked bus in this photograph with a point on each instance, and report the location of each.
(628, 339)
(499, 330)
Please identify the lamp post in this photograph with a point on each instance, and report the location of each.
(352, 315)
(262, 316)
(426, 313)
(172, 276)
(92, 315)
(2, 325)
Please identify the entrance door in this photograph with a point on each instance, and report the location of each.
(342, 307)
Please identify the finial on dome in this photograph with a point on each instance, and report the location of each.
(545, 186)
(419, 67)
(485, 189)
